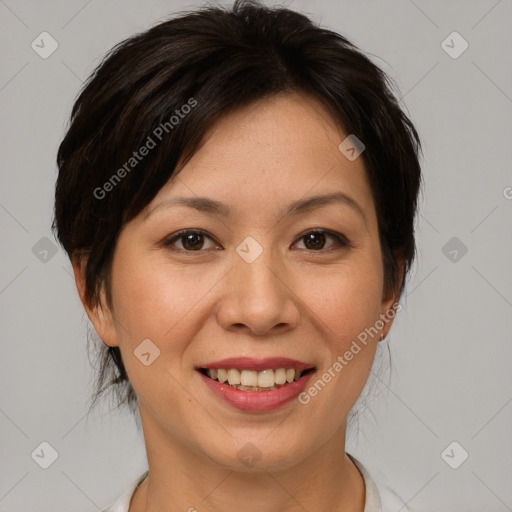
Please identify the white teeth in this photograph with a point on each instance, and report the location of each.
(252, 380)
(280, 376)
(233, 377)
(249, 378)
(266, 379)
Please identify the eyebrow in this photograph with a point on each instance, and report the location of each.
(207, 205)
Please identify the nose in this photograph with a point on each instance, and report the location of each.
(257, 299)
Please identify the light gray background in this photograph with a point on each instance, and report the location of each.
(451, 346)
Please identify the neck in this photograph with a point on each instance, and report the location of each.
(181, 479)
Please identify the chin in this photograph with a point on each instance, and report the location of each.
(259, 456)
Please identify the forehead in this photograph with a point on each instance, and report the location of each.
(271, 152)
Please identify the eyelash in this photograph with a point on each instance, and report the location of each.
(341, 240)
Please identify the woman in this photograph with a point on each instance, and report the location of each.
(237, 192)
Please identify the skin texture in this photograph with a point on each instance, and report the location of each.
(298, 300)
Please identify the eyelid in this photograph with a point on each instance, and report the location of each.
(342, 240)
(168, 241)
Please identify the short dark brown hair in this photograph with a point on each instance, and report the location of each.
(180, 77)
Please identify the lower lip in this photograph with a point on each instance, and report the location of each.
(257, 401)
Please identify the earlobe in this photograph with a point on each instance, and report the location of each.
(100, 316)
(78, 263)
(389, 304)
(389, 310)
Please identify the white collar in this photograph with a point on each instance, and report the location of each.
(372, 502)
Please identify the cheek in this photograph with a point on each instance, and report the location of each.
(347, 305)
(151, 302)
(150, 298)
(163, 302)
(348, 300)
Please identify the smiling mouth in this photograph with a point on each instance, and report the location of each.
(252, 380)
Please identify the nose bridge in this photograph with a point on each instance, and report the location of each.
(257, 296)
(258, 268)
(255, 269)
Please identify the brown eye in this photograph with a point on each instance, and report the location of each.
(316, 240)
(191, 240)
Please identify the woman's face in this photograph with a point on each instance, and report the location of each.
(252, 280)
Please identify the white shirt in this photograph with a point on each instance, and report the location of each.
(390, 501)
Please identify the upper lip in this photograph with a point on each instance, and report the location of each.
(250, 363)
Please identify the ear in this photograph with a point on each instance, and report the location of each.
(389, 303)
(100, 316)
